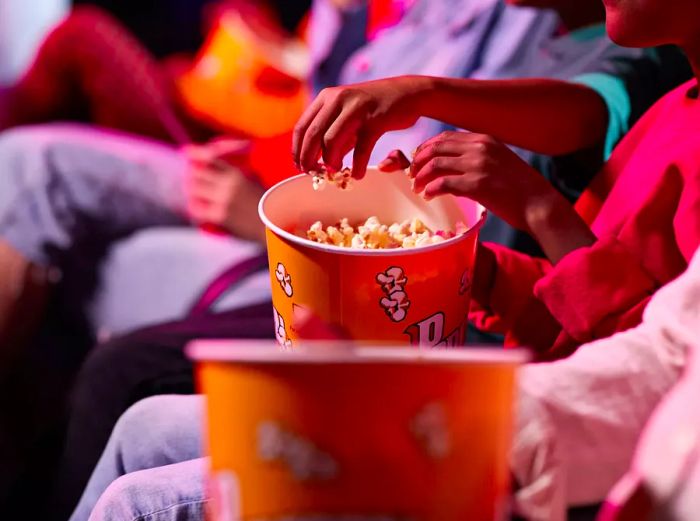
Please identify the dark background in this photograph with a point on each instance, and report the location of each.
(172, 26)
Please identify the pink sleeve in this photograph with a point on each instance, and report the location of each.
(512, 307)
(686, 222)
(590, 288)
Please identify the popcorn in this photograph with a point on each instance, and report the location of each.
(374, 235)
(317, 234)
(417, 226)
(341, 178)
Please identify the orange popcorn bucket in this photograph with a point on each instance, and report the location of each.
(247, 80)
(417, 296)
(335, 433)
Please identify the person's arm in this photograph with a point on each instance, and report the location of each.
(596, 291)
(579, 418)
(547, 116)
(503, 300)
(481, 168)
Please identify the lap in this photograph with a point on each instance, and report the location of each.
(171, 492)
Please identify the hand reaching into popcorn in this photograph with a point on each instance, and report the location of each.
(542, 115)
(480, 168)
(483, 169)
(341, 119)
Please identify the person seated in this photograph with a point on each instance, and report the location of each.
(219, 189)
(92, 68)
(631, 232)
(578, 421)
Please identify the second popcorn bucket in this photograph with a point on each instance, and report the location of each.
(331, 432)
(417, 296)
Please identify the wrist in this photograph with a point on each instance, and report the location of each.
(544, 211)
(556, 226)
(422, 92)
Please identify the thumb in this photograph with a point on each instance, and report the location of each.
(396, 160)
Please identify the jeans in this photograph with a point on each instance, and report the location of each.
(66, 186)
(71, 194)
(127, 369)
(152, 467)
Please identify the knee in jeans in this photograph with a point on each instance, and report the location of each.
(122, 499)
(22, 148)
(152, 427)
(169, 492)
(152, 411)
(129, 429)
(19, 140)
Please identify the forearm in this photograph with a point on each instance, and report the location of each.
(556, 226)
(546, 116)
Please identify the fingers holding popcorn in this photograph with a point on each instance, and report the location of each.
(354, 117)
(302, 126)
(310, 149)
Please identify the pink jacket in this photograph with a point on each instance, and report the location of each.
(644, 207)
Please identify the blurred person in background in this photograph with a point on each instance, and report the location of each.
(124, 70)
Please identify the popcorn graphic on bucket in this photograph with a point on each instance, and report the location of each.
(331, 432)
(418, 295)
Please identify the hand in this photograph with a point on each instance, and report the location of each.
(218, 192)
(483, 169)
(355, 117)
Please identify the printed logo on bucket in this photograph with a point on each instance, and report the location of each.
(281, 330)
(430, 429)
(396, 303)
(430, 332)
(284, 279)
(303, 459)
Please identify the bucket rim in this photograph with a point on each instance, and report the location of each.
(386, 252)
(345, 352)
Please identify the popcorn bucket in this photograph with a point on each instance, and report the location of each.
(418, 295)
(246, 82)
(334, 433)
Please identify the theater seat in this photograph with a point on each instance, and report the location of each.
(156, 275)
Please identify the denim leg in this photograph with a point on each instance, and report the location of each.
(152, 433)
(171, 493)
(62, 186)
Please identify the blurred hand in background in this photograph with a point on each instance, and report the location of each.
(220, 195)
